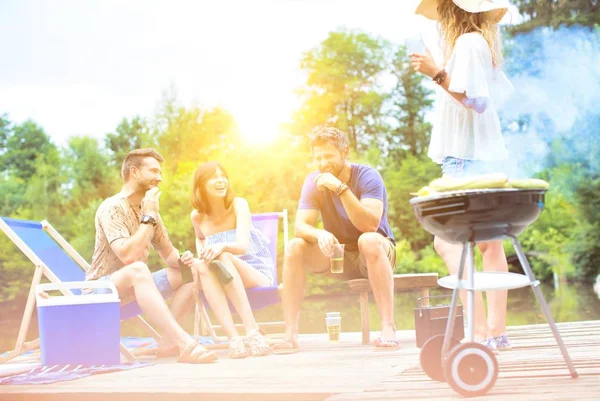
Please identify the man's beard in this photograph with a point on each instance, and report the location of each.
(334, 169)
(145, 186)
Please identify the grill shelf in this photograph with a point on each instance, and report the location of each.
(487, 281)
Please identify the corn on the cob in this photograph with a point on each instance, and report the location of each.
(529, 183)
(426, 191)
(496, 180)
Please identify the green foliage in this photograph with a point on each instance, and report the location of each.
(556, 13)
(86, 162)
(410, 99)
(130, 134)
(342, 88)
(546, 238)
(77, 225)
(586, 244)
(402, 180)
(22, 146)
(195, 134)
(424, 261)
(5, 129)
(359, 83)
(12, 193)
(565, 237)
(16, 270)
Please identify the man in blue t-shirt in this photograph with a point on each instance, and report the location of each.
(352, 201)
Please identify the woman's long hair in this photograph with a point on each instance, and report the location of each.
(199, 196)
(455, 21)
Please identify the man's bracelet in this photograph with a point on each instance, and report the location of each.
(440, 77)
(342, 188)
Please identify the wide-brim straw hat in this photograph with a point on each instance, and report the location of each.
(496, 9)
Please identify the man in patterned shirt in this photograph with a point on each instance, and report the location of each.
(127, 225)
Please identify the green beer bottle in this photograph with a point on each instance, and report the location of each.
(186, 272)
(222, 273)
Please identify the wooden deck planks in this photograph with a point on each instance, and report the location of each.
(533, 370)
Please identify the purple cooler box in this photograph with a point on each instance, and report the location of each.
(79, 329)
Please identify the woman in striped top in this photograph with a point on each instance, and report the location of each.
(224, 232)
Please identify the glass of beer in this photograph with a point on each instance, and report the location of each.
(334, 326)
(336, 260)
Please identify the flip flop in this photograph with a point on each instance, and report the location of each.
(285, 347)
(154, 351)
(195, 353)
(167, 352)
(386, 345)
(145, 349)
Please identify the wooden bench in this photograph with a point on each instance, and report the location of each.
(422, 281)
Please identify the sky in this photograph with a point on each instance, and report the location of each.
(79, 67)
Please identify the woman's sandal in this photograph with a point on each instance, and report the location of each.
(195, 353)
(285, 347)
(259, 345)
(237, 349)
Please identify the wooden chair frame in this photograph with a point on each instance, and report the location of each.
(202, 322)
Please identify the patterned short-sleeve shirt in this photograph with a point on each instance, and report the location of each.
(117, 218)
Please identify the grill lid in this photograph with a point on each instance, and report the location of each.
(462, 192)
(478, 214)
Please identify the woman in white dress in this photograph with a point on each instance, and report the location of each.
(466, 137)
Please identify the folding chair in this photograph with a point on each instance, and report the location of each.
(58, 261)
(259, 297)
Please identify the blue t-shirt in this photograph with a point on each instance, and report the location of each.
(365, 182)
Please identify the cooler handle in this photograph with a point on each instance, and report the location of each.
(71, 285)
(420, 305)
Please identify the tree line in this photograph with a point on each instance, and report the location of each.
(358, 82)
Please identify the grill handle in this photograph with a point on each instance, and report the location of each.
(445, 207)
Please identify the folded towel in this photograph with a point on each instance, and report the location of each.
(57, 373)
(33, 372)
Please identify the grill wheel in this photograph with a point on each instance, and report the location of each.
(471, 369)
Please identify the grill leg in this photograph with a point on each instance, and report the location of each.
(453, 305)
(470, 292)
(540, 297)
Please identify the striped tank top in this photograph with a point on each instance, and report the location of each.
(257, 256)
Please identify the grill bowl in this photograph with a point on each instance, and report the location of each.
(478, 214)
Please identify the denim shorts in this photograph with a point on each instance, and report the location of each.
(160, 280)
(455, 167)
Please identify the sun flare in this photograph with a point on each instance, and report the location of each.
(256, 130)
(260, 121)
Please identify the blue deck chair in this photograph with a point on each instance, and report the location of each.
(259, 297)
(58, 261)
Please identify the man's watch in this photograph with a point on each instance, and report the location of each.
(147, 219)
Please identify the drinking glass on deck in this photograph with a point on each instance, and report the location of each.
(334, 326)
(336, 260)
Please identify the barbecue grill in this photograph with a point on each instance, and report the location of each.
(468, 217)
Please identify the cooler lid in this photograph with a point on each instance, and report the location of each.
(68, 298)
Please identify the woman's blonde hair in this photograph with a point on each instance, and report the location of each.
(455, 21)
